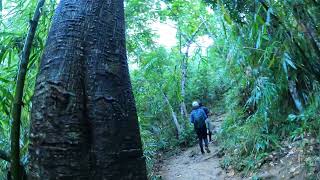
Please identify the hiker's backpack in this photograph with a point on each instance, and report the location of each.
(199, 117)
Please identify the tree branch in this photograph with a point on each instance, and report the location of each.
(190, 40)
(207, 27)
(17, 103)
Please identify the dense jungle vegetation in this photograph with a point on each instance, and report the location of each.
(256, 61)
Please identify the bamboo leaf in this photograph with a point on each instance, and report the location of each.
(6, 93)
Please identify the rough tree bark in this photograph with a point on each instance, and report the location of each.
(15, 167)
(84, 122)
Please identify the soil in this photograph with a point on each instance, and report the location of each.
(190, 164)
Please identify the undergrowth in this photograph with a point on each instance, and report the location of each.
(163, 143)
(248, 137)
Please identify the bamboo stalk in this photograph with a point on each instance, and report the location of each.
(17, 103)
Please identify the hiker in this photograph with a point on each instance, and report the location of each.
(197, 118)
(209, 125)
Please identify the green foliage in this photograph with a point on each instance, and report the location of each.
(14, 24)
(264, 57)
(270, 51)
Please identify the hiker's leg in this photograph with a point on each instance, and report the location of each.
(204, 136)
(210, 134)
(200, 141)
(205, 139)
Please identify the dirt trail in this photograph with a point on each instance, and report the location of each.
(192, 165)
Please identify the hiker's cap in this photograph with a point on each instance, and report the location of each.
(195, 104)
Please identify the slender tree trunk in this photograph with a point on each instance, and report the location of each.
(295, 95)
(183, 108)
(184, 68)
(16, 171)
(184, 112)
(1, 7)
(84, 121)
(174, 117)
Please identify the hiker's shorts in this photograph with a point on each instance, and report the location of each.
(201, 133)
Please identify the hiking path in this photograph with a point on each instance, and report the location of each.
(190, 164)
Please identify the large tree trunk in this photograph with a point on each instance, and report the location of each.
(84, 121)
(15, 166)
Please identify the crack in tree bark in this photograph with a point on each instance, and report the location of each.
(85, 90)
